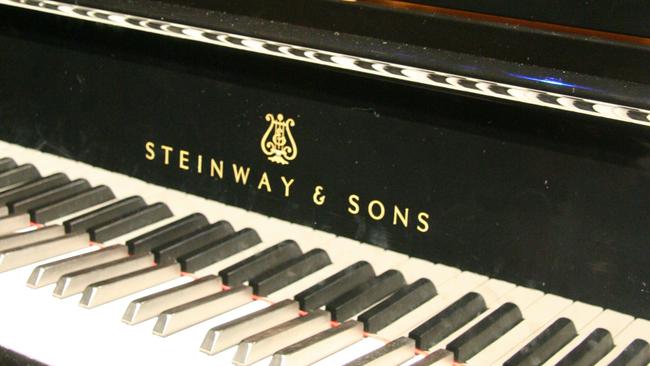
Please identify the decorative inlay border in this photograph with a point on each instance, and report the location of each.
(343, 61)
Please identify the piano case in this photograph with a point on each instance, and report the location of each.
(531, 166)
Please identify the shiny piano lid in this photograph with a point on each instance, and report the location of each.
(580, 70)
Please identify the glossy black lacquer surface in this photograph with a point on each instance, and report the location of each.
(620, 16)
(546, 199)
(577, 64)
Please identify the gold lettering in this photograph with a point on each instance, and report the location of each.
(287, 185)
(318, 197)
(167, 150)
(183, 159)
(353, 200)
(149, 147)
(423, 218)
(199, 164)
(240, 173)
(216, 168)
(403, 217)
(264, 181)
(382, 210)
(375, 208)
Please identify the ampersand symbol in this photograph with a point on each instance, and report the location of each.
(318, 197)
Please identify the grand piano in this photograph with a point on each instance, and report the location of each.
(328, 182)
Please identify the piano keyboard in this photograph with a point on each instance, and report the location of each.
(202, 283)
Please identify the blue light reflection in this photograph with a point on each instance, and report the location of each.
(551, 81)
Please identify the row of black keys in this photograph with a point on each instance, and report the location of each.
(191, 242)
(55, 196)
(45, 199)
(594, 347)
(196, 244)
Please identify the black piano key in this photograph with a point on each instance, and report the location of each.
(45, 198)
(67, 206)
(170, 251)
(132, 221)
(545, 345)
(636, 353)
(597, 344)
(446, 322)
(164, 234)
(7, 164)
(334, 286)
(19, 174)
(104, 214)
(289, 272)
(261, 262)
(365, 295)
(397, 305)
(34, 187)
(220, 250)
(486, 331)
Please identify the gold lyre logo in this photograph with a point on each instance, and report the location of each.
(278, 143)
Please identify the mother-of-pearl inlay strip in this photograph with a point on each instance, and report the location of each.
(342, 61)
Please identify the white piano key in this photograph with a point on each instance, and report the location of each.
(441, 357)
(386, 259)
(440, 275)
(15, 240)
(269, 239)
(403, 325)
(148, 307)
(336, 247)
(319, 346)
(11, 223)
(76, 282)
(100, 293)
(317, 238)
(50, 272)
(61, 220)
(215, 211)
(638, 329)
(229, 334)
(271, 231)
(535, 316)
(414, 268)
(609, 320)
(449, 292)
(65, 323)
(295, 288)
(494, 296)
(491, 290)
(494, 290)
(124, 238)
(380, 259)
(334, 251)
(44, 309)
(183, 316)
(580, 315)
(36, 252)
(462, 284)
(352, 352)
(393, 353)
(270, 236)
(265, 343)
